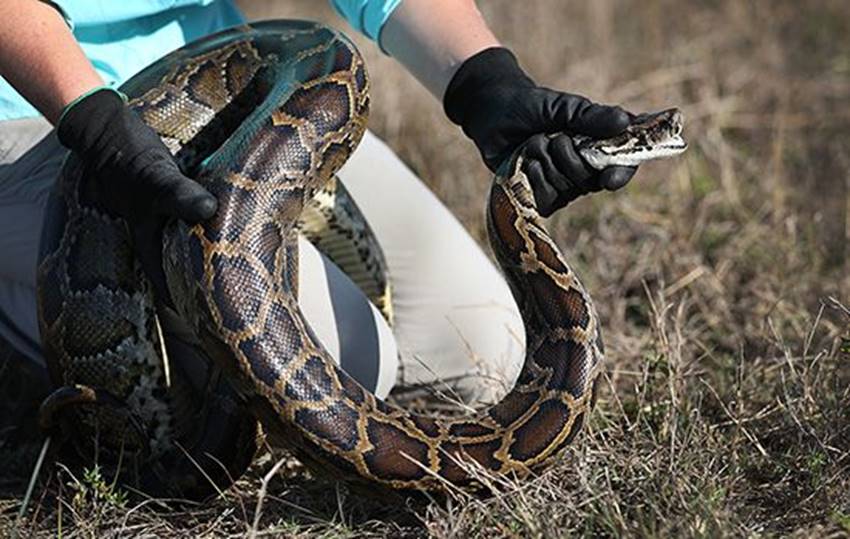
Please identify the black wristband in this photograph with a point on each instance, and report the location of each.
(86, 119)
(483, 69)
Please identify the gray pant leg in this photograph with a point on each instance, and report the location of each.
(30, 158)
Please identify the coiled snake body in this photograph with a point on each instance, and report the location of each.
(263, 116)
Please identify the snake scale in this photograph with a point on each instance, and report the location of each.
(263, 115)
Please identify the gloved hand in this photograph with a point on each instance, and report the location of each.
(137, 174)
(499, 107)
(137, 177)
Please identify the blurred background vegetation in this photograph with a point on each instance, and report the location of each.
(721, 278)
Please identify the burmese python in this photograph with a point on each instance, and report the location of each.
(263, 116)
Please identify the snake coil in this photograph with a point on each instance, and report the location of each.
(263, 116)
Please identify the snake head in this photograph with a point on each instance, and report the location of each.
(650, 136)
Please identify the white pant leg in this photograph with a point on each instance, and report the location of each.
(455, 318)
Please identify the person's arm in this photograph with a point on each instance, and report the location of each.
(41, 59)
(432, 38)
(448, 47)
(137, 177)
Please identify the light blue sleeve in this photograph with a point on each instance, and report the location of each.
(367, 16)
(90, 12)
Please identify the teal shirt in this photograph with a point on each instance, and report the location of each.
(120, 37)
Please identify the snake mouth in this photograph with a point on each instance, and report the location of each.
(672, 146)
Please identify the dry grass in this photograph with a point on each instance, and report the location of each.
(726, 406)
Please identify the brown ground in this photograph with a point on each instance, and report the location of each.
(726, 405)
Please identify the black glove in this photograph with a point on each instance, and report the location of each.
(499, 107)
(136, 175)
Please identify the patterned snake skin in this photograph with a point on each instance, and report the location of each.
(263, 116)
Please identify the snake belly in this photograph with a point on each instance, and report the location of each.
(285, 103)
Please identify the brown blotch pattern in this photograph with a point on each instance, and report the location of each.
(266, 245)
(512, 407)
(208, 86)
(352, 389)
(469, 430)
(238, 291)
(427, 425)
(568, 364)
(502, 219)
(325, 105)
(310, 383)
(564, 308)
(387, 459)
(281, 334)
(546, 254)
(277, 152)
(453, 456)
(539, 430)
(336, 424)
(237, 207)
